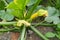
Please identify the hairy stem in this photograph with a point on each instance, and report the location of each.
(38, 33)
(23, 33)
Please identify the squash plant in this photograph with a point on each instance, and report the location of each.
(18, 10)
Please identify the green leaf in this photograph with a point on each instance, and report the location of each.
(15, 10)
(18, 9)
(2, 5)
(30, 11)
(12, 5)
(48, 19)
(56, 20)
(58, 25)
(6, 15)
(9, 0)
(50, 34)
(37, 8)
(51, 11)
(21, 3)
(17, 13)
(58, 34)
(31, 2)
(53, 19)
(53, 15)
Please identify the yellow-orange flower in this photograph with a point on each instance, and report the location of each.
(40, 12)
(34, 16)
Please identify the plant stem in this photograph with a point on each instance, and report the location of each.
(23, 33)
(5, 2)
(32, 9)
(7, 23)
(25, 36)
(42, 24)
(38, 33)
(34, 24)
(6, 30)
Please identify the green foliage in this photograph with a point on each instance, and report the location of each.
(31, 2)
(2, 5)
(58, 35)
(53, 15)
(21, 3)
(30, 11)
(6, 15)
(37, 8)
(50, 34)
(58, 25)
(9, 1)
(55, 3)
(17, 8)
(12, 6)
(18, 14)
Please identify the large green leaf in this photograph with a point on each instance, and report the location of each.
(31, 2)
(58, 34)
(21, 3)
(30, 11)
(18, 7)
(58, 27)
(9, 0)
(52, 11)
(50, 34)
(58, 4)
(37, 8)
(53, 15)
(12, 5)
(15, 10)
(2, 5)
(53, 19)
(17, 13)
(6, 15)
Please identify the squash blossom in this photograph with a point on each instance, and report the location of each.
(35, 15)
(40, 12)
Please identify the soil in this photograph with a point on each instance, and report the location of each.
(30, 36)
(43, 30)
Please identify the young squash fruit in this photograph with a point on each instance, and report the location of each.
(40, 12)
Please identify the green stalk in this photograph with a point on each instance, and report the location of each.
(25, 36)
(32, 9)
(7, 23)
(5, 2)
(51, 3)
(6, 30)
(34, 24)
(38, 33)
(42, 24)
(23, 33)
